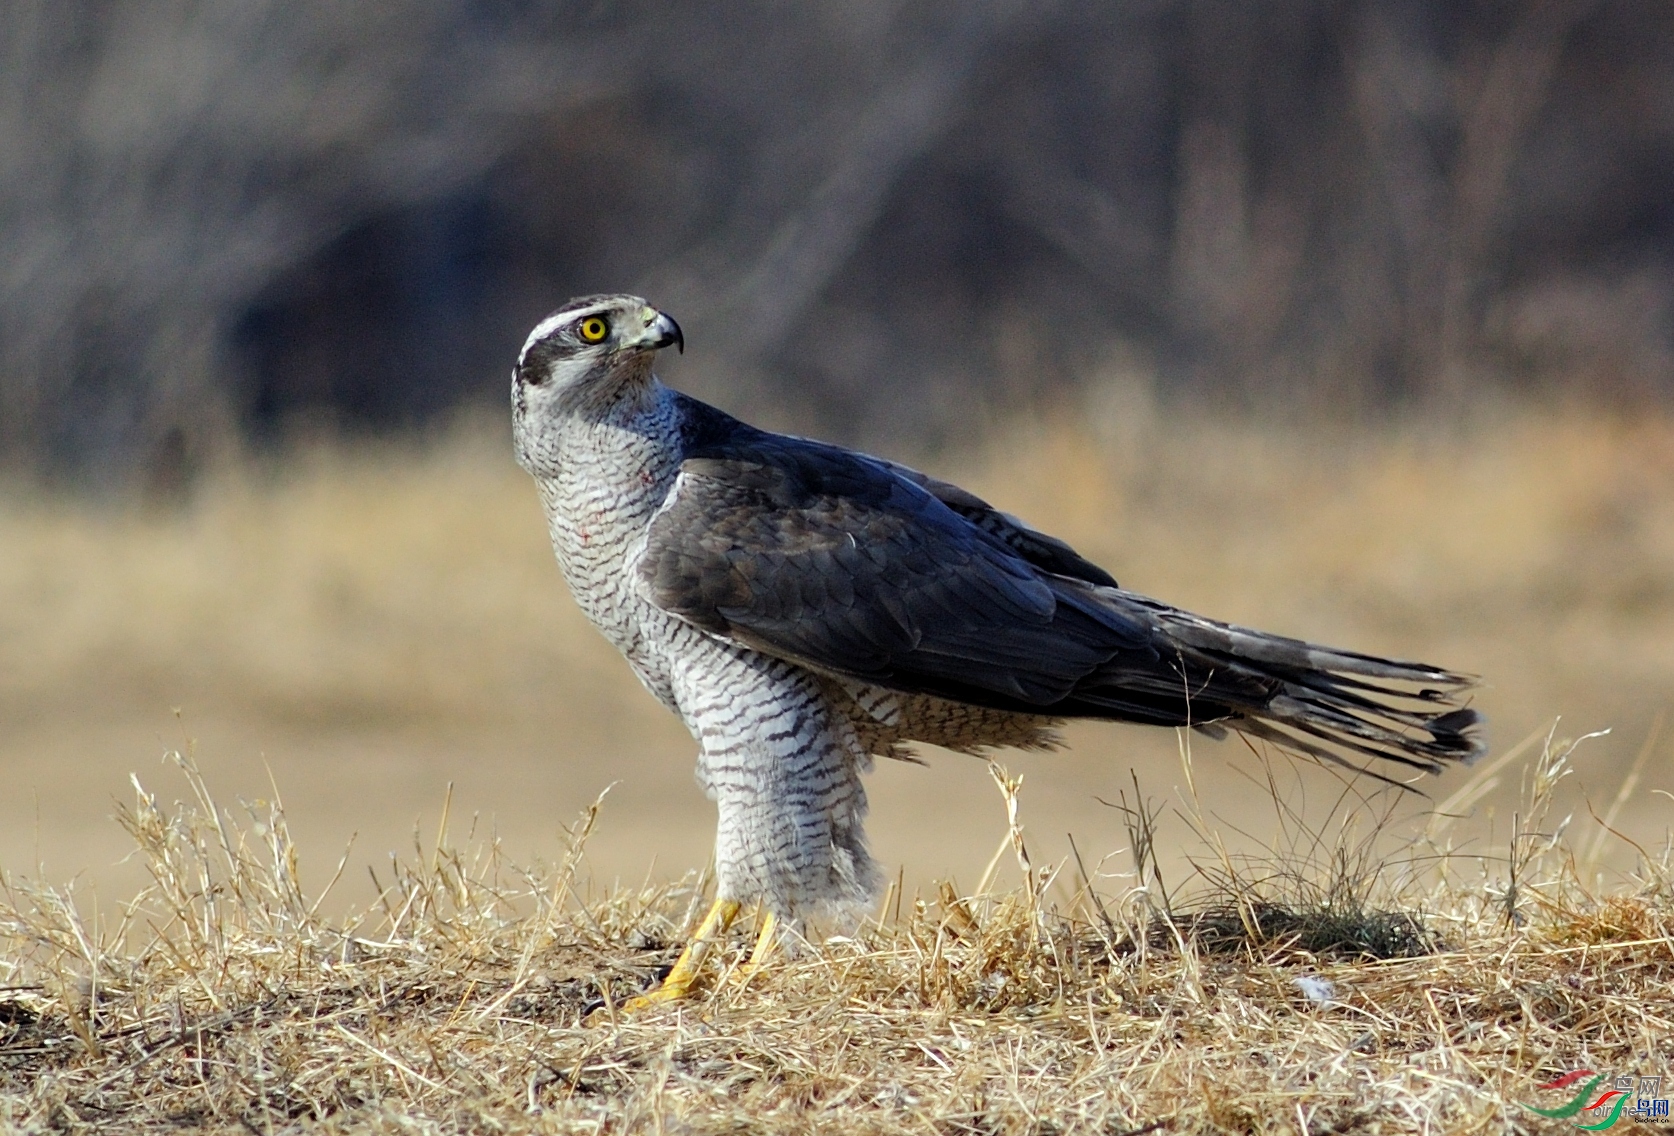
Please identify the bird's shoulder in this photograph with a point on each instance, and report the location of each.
(789, 471)
(810, 480)
(744, 492)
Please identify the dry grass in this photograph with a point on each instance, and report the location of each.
(221, 999)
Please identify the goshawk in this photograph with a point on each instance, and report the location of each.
(805, 608)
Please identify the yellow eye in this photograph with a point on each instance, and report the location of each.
(593, 329)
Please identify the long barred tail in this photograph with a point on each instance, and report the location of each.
(1330, 704)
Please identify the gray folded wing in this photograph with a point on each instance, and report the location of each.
(855, 566)
(840, 562)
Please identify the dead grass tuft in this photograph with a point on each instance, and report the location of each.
(1348, 932)
(1305, 993)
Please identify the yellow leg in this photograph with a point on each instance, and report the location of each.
(765, 942)
(764, 947)
(679, 982)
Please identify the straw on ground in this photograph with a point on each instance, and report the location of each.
(1268, 996)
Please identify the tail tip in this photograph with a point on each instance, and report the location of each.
(1462, 732)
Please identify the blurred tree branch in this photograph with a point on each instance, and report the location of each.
(1342, 199)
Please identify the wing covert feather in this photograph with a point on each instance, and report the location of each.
(1043, 551)
(834, 560)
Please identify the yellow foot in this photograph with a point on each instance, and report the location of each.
(763, 948)
(669, 991)
(681, 979)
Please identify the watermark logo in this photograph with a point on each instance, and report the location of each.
(1603, 1100)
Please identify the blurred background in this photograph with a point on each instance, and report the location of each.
(1352, 320)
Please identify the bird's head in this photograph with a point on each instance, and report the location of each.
(590, 352)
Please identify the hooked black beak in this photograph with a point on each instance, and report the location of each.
(660, 331)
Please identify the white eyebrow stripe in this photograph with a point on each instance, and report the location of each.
(543, 329)
(567, 315)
